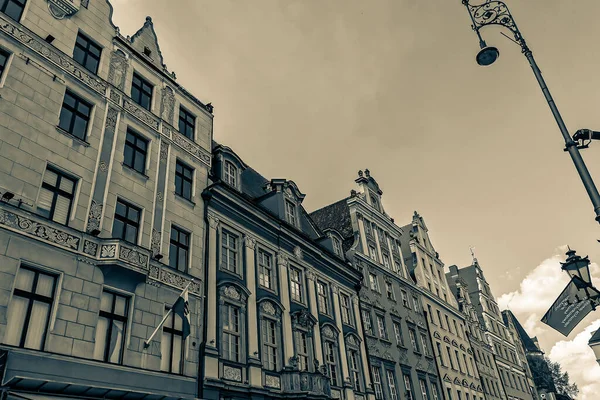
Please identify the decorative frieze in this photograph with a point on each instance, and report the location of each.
(272, 381)
(133, 256)
(38, 230)
(94, 217)
(298, 252)
(192, 148)
(50, 53)
(232, 373)
(328, 332)
(142, 114)
(155, 243)
(164, 151)
(90, 248)
(268, 308)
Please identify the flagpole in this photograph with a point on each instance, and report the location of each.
(147, 341)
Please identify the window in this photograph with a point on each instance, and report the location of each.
(290, 213)
(368, 228)
(424, 344)
(354, 366)
(4, 55)
(439, 314)
(172, 345)
(231, 343)
(337, 246)
(416, 303)
(408, 387)
(434, 391)
(229, 251)
(366, 319)
(179, 249)
(74, 115)
(405, 302)
(269, 334)
(296, 284)
(450, 357)
(374, 283)
(398, 334)
(458, 360)
(377, 383)
(372, 253)
(386, 261)
(187, 123)
(265, 269)
(12, 8)
(302, 350)
(29, 312)
(458, 392)
(112, 324)
(87, 53)
(184, 180)
(141, 91)
(430, 314)
(389, 288)
(127, 222)
(424, 391)
(448, 323)
(331, 361)
(381, 327)
(466, 364)
(413, 340)
(440, 355)
(398, 268)
(392, 384)
(56, 196)
(346, 311)
(374, 202)
(322, 294)
(136, 149)
(455, 327)
(230, 174)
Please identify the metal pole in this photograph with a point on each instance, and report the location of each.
(571, 146)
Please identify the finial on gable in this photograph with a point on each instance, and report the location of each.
(367, 173)
(360, 173)
(473, 255)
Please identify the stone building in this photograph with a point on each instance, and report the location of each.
(483, 353)
(453, 353)
(398, 343)
(510, 363)
(103, 156)
(283, 318)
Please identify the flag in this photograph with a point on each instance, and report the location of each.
(571, 306)
(182, 308)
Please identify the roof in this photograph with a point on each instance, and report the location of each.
(528, 343)
(336, 216)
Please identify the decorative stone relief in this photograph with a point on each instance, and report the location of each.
(154, 272)
(155, 243)
(164, 151)
(159, 196)
(60, 9)
(335, 288)
(108, 250)
(213, 221)
(50, 53)
(103, 166)
(232, 374)
(133, 256)
(90, 248)
(351, 340)
(167, 104)
(118, 69)
(328, 332)
(85, 3)
(303, 319)
(178, 281)
(111, 120)
(310, 275)
(298, 252)
(249, 241)
(282, 259)
(192, 147)
(231, 292)
(272, 381)
(38, 230)
(115, 96)
(267, 308)
(94, 217)
(142, 114)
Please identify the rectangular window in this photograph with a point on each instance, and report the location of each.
(413, 340)
(126, 224)
(459, 393)
(439, 353)
(381, 327)
(75, 115)
(392, 384)
(172, 345)
(296, 284)
(29, 312)
(450, 357)
(13, 8)
(346, 309)
(56, 196)
(141, 91)
(269, 334)
(416, 304)
(4, 55)
(354, 365)
(112, 324)
(290, 213)
(405, 302)
(448, 323)
(458, 360)
(229, 251)
(398, 268)
(456, 327)
(337, 246)
(377, 383)
(434, 391)
(424, 391)
(466, 365)
(389, 288)
(230, 345)
(386, 261)
(372, 253)
(135, 151)
(87, 53)
(265, 269)
(439, 314)
(184, 180)
(424, 345)
(187, 123)
(331, 361)
(374, 283)
(302, 350)
(323, 296)
(398, 334)
(366, 320)
(230, 174)
(408, 387)
(179, 249)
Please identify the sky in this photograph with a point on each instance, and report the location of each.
(314, 91)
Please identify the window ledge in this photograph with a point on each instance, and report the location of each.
(74, 138)
(385, 340)
(270, 290)
(134, 171)
(189, 202)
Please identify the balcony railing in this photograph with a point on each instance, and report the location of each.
(311, 383)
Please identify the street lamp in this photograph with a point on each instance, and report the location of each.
(494, 12)
(574, 265)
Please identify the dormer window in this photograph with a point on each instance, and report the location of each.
(374, 202)
(290, 213)
(337, 245)
(230, 174)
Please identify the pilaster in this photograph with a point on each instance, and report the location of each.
(312, 297)
(254, 375)
(288, 344)
(363, 350)
(341, 341)
(363, 236)
(213, 309)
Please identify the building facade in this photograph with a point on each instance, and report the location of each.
(400, 352)
(283, 318)
(452, 349)
(483, 352)
(510, 363)
(103, 156)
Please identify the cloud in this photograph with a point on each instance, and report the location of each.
(576, 357)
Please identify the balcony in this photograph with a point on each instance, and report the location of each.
(306, 383)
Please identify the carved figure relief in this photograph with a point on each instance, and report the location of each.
(118, 69)
(94, 216)
(168, 104)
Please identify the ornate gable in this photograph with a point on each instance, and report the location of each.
(146, 43)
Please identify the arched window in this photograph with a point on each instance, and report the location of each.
(230, 174)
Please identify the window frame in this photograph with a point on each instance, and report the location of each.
(346, 309)
(398, 333)
(354, 369)
(367, 322)
(392, 384)
(226, 251)
(8, 55)
(230, 173)
(179, 246)
(374, 282)
(171, 330)
(305, 357)
(296, 285)
(110, 317)
(141, 92)
(266, 272)
(232, 333)
(424, 388)
(377, 382)
(389, 289)
(127, 222)
(291, 214)
(21, 3)
(76, 112)
(181, 177)
(323, 298)
(270, 348)
(86, 52)
(381, 328)
(184, 119)
(408, 386)
(136, 150)
(331, 349)
(405, 300)
(57, 191)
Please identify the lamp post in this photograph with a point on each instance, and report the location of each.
(494, 12)
(578, 269)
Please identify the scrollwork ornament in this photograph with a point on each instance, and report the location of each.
(267, 308)
(282, 259)
(164, 151)
(213, 221)
(250, 241)
(494, 12)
